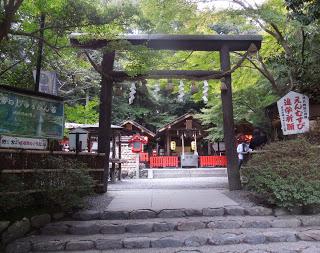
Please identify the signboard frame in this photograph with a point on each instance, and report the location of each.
(17, 142)
(49, 109)
(294, 113)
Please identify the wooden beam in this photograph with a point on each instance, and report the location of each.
(105, 109)
(176, 42)
(169, 74)
(228, 123)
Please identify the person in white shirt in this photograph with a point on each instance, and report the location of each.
(242, 149)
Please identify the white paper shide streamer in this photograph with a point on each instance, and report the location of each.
(181, 91)
(205, 91)
(132, 93)
(156, 91)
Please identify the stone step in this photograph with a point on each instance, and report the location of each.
(203, 237)
(276, 247)
(172, 213)
(186, 172)
(176, 224)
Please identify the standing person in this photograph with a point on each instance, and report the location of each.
(242, 150)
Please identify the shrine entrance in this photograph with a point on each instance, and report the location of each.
(224, 44)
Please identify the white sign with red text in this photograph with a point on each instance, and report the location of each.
(22, 142)
(294, 113)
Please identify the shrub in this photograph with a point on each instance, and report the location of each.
(60, 189)
(9, 199)
(65, 186)
(286, 174)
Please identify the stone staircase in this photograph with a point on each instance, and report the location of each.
(186, 172)
(232, 229)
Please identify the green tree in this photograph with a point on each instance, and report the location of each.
(83, 114)
(306, 11)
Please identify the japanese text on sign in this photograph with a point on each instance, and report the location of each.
(22, 143)
(294, 113)
(30, 116)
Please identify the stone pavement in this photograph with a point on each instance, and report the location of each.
(160, 194)
(171, 183)
(168, 199)
(175, 216)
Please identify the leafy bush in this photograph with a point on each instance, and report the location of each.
(65, 186)
(286, 174)
(60, 189)
(9, 200)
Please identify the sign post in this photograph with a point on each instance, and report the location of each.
(32, 115)
(294, 113)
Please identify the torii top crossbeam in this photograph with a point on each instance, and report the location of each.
(175, 42)
(179, 42)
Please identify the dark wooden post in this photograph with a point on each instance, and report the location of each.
(105, 113)
(228, 123)
(113, 168)
(119, 174)
(168, 139)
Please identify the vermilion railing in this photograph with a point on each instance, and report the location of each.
(144, 157)
(163, 161)
(213, 161)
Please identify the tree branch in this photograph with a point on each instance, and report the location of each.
(10, 67)
(94, 65)
(10, 9)
(53, 47)
(265, 72)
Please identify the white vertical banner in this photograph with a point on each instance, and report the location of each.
(294, 113)
(48, 82)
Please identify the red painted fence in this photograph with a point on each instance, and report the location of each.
(163, 161)
(213, 161)
(144, 157)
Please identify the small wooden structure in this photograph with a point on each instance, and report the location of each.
(115, 141)
(93, 129)
(182, 143)
(131, 128)
(183, 131)
(221, 43)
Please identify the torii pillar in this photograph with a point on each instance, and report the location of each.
(228, 122)
(105, 109)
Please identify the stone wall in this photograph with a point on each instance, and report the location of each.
(10, 231)
(128, 169)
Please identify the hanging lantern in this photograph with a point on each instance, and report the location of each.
(173, 145)
(118, 90)
(194, 89)
(193, 145)
(169, 85)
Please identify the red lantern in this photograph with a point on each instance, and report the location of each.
(137, 142)
(154, 152)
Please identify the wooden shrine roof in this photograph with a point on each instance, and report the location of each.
(140, 127)
(175, 42)
(176, 121)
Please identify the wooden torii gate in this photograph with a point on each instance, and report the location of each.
(221, 43)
